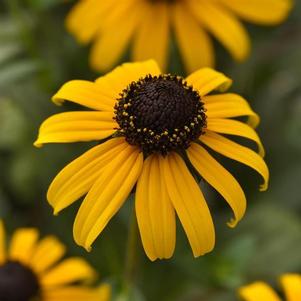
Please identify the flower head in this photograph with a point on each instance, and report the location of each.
(30, 271)
(112, 24)
(150, 126)
(260, 291)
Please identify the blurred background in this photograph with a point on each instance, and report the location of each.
(37, 56)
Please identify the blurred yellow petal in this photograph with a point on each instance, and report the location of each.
(206, 80)
(71, 270)
(83, 19)
(75, 293)
(258, 291)
(22, 244)
(194, 43)
(2, 243)
(119, 79)
(152, 38)
(104, 292)
(84, 93)
(189, 204)
(220, 179)
(223, 24)
(77, 178)
(234, 127)
(117, 12)
(229, 105)
(111, 44)
(107, 195)
(237, 152)
(267, 12)
(155, 214)
(76, 127)
(47, 252)
(292, 286)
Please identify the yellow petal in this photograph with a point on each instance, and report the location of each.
(292, 286)
(104, 291)
(155, 214)
(76, 293)
(23, 244)
(189, 204)
(258, 291)
(2, 243)
(152, 38)
(83, 19)
(268, 12)
(119, 79)
(77, 178)
(229, 105)
(71, 270)
(206, 80)
(75, 127)
(224, 26)
(85, 93)
(111, 44)
(237, 152)
(107, 195)
(234, 127)
(220, 179)
(47, 252)
(194, 44)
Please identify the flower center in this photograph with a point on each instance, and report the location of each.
(160, 114)
(18, 283)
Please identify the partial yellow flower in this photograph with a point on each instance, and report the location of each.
(149, 125)
(32, 270)
(260, 291)
(112, 24)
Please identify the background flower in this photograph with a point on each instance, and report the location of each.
(113, 25)
(291, 284)
(33, 270)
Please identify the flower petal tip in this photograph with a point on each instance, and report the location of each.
(56, 212)
(232, 223)
(57, 101)
(263, 187)
(37, 144)
(88, 248)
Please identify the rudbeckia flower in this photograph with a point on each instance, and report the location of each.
(112, 24)
(260, 291)
(153, 131)
(31, 270)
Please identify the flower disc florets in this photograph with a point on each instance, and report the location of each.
(160, 114)
(18, 282)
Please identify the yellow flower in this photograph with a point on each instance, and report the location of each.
(259, 291)
(30, 271)
(153, 125)
(112, 24)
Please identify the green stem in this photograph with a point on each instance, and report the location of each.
(131, 254)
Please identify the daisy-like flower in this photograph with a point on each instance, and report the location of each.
(112, 24)
(30, 271)
(153, 131)
(260, 291)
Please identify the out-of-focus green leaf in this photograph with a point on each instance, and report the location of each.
(16, 71)
(12, 125)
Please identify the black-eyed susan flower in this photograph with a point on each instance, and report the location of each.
(260, 291)
(32, 270)
(153, 131)
(113, 24)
